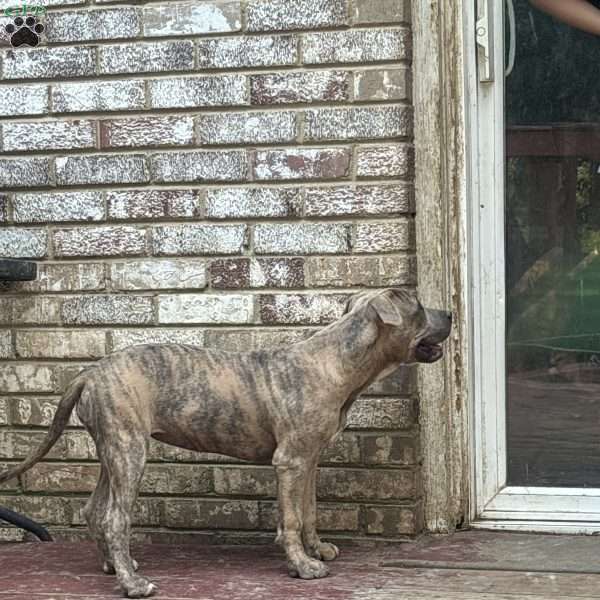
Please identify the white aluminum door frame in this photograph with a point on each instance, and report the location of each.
(494, 505)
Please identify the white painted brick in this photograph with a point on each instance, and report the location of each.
(311, 309)
(98, 96)
(301, 163)
(24, 172)
(85, 277)
(305, 86)
(358, 46)
(198, 239)
(92, 310)
(382, 84)
(6, 351)
(23, 243)
(146, 58)
(239, 203)
(19, 100)
(179, 18)
(199, 166)
(277, 272)
(386, 160)
(205, 308)
(247, 51)
(247, 128)
(53, 3)
(342, 271)
(381, 413)
(362, 200)
(4, 414)
(101, 24)
(383, 237)
(123, 338)
(48, 135)
(380, 11)
(398, 270)
(84, 343)
(58, 206)
(26, 378)
(153, 204)
(65, 278)
(30, 310)
(158, 274)
(48, 63)
(99, 241)
(190, 92)
(269, 15)
(95, 169)
(38, 411)
(358, 123)
(301, 238)
(147, 131)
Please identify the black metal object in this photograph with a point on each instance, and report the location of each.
(21, 270)
(22, 522)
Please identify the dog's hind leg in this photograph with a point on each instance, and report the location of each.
(123, 455)
(312, 543)
(94, 512)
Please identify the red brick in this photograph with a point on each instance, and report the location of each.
(230, 273)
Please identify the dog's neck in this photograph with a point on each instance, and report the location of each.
(351, 349)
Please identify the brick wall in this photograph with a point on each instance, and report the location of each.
(220, 173)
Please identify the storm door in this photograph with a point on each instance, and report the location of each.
(536, 265)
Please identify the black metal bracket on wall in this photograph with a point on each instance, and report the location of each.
(21, 270)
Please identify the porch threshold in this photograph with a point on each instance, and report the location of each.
(500, 551)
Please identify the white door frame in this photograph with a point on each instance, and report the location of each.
(441, 230)
(494, 505)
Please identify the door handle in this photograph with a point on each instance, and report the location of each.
(484, 37)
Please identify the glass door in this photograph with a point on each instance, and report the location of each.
(536, 251)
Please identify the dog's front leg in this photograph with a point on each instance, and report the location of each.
(312, 543)
(291, 480)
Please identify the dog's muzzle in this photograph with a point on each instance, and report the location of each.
(427, 352)
(429, 348)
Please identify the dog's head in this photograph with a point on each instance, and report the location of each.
(411, 333)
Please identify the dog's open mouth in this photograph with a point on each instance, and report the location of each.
(427, 352)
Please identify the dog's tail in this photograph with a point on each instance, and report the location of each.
(61, 418)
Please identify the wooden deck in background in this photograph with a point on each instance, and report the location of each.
(467, 566)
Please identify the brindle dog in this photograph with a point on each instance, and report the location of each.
(283, 405)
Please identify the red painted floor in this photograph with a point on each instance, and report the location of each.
(69, 571)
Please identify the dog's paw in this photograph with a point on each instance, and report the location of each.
(328, 551)
(322, 550)
(140, 587)
(308, 568)
(109, 568)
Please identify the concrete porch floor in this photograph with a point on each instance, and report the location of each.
(473, 565)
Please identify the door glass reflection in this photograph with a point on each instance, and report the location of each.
(552, 250)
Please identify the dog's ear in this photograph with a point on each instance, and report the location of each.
(386, 305)
(389, 305)
(353, 300)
